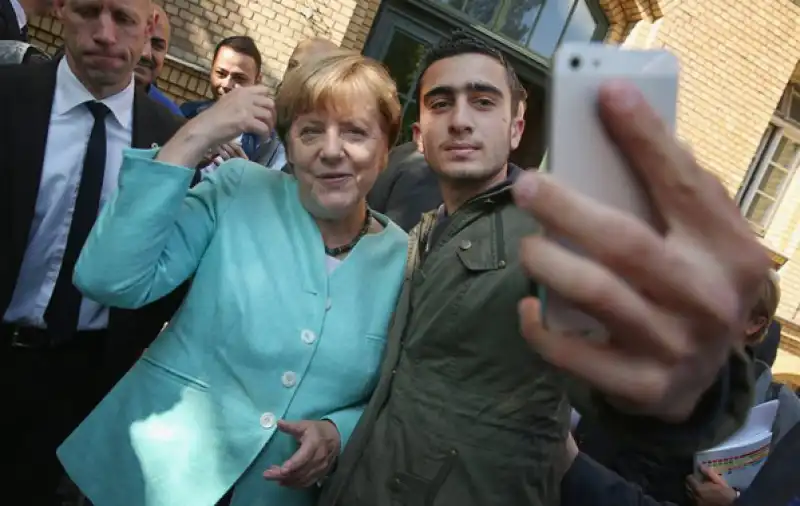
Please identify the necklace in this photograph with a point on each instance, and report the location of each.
(341, 250)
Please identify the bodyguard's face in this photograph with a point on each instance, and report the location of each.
(104, 38)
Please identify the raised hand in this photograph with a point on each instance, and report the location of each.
(674, 301)
(248, 109)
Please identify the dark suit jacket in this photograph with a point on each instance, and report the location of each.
(26, 97)
(9, 29)
(406, 188)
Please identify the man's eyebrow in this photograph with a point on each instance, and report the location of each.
(475, 86)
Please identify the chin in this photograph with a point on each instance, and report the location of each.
(336, 208)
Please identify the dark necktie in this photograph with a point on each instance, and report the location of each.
(23, 32)
(63, 310)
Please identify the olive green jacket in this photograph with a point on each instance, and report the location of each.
(465, 413)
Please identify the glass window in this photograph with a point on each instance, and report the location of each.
(764, 187)
(534, 25)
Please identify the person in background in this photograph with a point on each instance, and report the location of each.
(472, 407)
(151, 62)
(14, 15)
(236, 63)
(14, 52)
(266, 368)
(587, 483)
(408, 187)
(663, 476)
(66, 124)
(765, 388)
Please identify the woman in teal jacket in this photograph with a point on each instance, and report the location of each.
(259, 379)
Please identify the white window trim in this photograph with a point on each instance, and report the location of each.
(769, 144)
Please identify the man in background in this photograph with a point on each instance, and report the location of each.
(65, 125)
(152, 61)
(14, 15)
(236, 62)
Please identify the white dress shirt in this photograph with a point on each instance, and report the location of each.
(70, 126)
(22, 19)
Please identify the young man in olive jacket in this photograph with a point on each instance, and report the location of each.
(472, 407)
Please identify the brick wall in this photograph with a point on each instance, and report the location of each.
(276, 25)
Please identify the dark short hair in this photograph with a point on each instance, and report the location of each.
(460, 42)
(242, 44)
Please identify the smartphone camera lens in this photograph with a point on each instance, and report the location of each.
(575, 62)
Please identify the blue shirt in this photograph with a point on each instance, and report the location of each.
(156, 94)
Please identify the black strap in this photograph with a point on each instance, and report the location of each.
(63, 310)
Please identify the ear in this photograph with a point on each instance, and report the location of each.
(754, 326)
(417, 133)
(517, 127)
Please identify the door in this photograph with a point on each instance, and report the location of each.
(400, 43)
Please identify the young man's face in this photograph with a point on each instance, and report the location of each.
(466, 128)
(232, 70)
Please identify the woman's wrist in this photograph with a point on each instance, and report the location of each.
(188, 147)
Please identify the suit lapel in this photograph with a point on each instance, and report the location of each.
(145, 128)
(30, 138)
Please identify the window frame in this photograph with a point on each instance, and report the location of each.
(778, 129)
(542, 62)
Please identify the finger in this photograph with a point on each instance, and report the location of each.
(693, 483)
(630, 319)
(607, 369)
(273, 473)
(301, 458)
(637, 253)
(669, 173)
(264, 102)
(712, 475)
(259, 127)
(226, 152)
(257, 90)
(265, 115)
(296, 429)
(238, 151)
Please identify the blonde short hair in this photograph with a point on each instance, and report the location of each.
(338, 80)
(767, 304)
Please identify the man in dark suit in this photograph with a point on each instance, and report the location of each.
(14, 16)
(406, 188)
(62, 132)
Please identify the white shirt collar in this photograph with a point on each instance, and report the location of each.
(70, 93)
(22, 19)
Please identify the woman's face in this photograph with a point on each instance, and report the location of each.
(337, 154)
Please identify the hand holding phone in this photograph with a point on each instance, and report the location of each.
(581, 155)
(669, 284)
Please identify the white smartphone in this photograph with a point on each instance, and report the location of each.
(580, 154)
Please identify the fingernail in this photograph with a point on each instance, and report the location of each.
(622, 96)
(525, 188)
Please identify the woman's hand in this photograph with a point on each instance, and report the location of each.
(674, 300)
(320, 445)
(712, 492)
(248, 109)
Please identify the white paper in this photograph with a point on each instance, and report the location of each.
(574, 418)
(740, 457)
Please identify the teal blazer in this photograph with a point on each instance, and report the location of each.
(264, 334)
